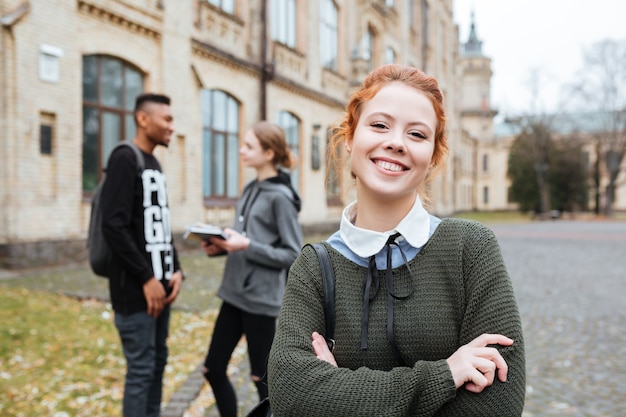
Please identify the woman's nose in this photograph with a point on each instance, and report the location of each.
(395, 142)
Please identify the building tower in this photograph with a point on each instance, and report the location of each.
(489, 185)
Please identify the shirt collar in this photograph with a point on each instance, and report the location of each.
(414, 227)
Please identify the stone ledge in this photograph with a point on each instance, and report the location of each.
(186, 394)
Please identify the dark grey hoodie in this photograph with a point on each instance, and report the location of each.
(267, 212)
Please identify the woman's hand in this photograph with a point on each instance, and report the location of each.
(235, 242)
(475, 365)
(321, 349)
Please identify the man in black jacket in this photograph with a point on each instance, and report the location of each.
(146, 275)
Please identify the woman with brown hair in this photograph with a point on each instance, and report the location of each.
(426, 318)
(263, 243)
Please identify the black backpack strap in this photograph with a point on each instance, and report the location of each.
(141, 163)
(328, 281)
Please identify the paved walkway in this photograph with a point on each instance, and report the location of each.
(570, 281)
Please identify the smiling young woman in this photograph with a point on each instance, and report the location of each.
(426, 318)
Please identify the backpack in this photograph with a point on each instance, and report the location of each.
(100, 255)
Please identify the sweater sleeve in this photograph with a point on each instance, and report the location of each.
(302, 385)
(117, 199)
(490, 307)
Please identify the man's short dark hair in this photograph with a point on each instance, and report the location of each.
(150, 98)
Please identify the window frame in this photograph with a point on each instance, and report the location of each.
(329, 34)
(225, 193)
(292, 125)
(227, 6)
(98, 108)
(284, 22)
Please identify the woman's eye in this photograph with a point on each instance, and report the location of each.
(418, 135)
(378, 125)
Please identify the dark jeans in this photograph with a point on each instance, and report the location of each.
(230, 325)
(144, 341)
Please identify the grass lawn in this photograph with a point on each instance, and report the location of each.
(60, 353)
(60, 356)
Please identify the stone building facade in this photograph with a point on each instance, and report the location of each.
(70, 69)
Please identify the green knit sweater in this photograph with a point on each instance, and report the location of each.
(459, 290)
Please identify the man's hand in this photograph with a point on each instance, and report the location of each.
(155, 296)
(175, 283)
(476, 365)
(210, 249)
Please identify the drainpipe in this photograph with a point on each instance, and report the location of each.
(264, 65)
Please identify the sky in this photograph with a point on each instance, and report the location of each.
(547, 37)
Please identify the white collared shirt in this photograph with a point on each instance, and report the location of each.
(359, 244)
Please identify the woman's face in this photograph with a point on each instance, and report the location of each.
(393, 143)
(251, 152)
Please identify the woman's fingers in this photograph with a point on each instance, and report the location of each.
(321, 349)
(475, 365)
(490, 339)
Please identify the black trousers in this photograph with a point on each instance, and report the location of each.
(232, 323)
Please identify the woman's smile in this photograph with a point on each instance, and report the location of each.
(389, 166)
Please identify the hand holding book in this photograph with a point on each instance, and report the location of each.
(203, 231)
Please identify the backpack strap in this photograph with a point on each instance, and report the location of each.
(328, 281)
(141, 163)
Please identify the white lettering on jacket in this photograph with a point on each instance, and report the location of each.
(157, 225)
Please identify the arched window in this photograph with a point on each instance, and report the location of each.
(220, 145)
(291, 125)
(110, 87)
(328, 34)
(283, 22)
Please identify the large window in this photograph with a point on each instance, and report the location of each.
(328, 34)
(226, 5)
(284, 21)
(291, 126)
(390, 56)
(220, 145)
(368, 47)
(110, 87)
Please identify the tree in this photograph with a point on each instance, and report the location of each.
(601, 87)
(529, 165)
(524, 187)
(547, 172)
(569, 175)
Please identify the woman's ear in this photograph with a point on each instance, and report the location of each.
(348, 145)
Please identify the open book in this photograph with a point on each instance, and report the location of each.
(203, 231)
